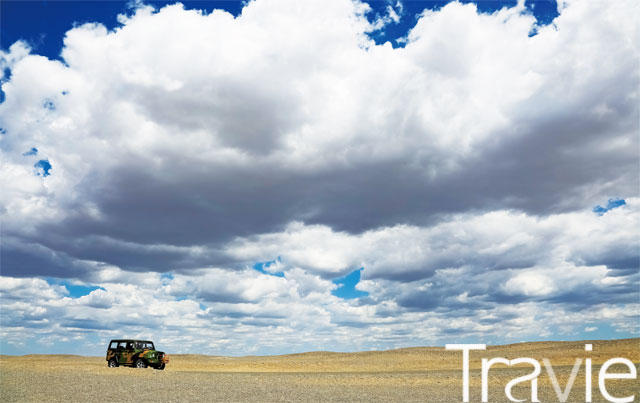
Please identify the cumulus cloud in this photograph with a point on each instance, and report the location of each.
(460, 171)
(497, 240)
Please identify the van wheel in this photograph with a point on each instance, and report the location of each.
(160, 367)
(113, 363)
(141, 364)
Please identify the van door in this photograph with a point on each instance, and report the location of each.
(124, 354)
(111, 350)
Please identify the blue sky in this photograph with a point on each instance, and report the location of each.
(44, 23)
(281, 176)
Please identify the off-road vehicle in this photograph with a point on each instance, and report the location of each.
(135, 353)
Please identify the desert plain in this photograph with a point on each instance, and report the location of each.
(418, 374)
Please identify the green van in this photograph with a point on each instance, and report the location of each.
(135, 353)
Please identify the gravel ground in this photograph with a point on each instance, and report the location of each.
(122, 386)
(55, 378)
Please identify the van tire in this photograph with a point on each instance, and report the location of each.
(140, 364)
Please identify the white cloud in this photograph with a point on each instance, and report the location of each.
(459, 171)
(315, 98)
(543, 282)
(29, 288)
(531, 284)
(491, 241)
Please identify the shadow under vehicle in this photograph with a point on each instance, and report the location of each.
(135, 353)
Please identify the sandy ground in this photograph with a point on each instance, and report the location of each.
(404, 375)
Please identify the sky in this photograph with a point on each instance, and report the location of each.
(278, 176)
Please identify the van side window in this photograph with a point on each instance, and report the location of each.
(113, 345)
